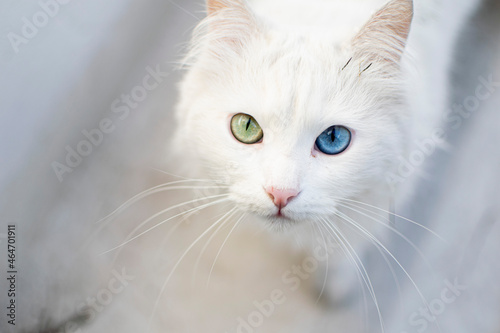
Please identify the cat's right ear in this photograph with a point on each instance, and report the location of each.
(230, 23)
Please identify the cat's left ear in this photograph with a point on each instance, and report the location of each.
(384, 37)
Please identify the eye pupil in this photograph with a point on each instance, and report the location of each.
(246, 129)
(334, 140)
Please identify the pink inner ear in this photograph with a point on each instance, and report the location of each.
(385, 35)
(230, 24)
(214, 6)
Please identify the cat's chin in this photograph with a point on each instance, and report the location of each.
(279, 222)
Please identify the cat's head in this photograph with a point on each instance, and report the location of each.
(294, 122)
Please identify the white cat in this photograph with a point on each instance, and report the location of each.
(305, 111)
(294, 117)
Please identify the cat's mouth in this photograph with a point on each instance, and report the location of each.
(280, 216)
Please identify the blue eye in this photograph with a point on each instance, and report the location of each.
(334, 140)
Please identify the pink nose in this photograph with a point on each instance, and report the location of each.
(281, 198)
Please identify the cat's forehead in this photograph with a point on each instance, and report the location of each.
(288, 87)
(288, 54)
(295, 84)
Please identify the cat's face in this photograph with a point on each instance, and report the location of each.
(292, 124)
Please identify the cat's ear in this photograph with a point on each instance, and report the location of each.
(230, 22)
(384, 37)
(214, 6)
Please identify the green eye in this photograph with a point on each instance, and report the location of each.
(246, 129)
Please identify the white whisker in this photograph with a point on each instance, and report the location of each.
(156, 189)
(396, 215)
(377, 242)
(193, 244)
(397, 232)
(222, 246)
(165, 221)
(356, 259)
(172, 230)
(327, 263)
(207, 243)
(177, 176)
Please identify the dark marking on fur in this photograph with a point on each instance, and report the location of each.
(348, 62)
(364, 70)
